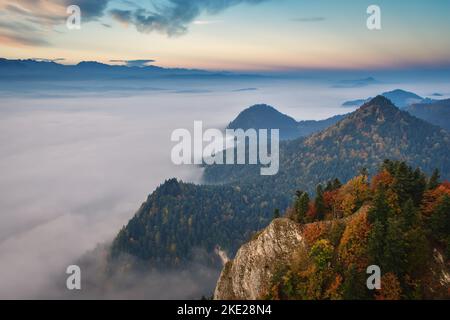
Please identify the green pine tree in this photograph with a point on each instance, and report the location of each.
(276, 213)
(301, 207)
(319, 203)
(434, 181)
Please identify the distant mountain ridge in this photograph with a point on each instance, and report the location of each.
(29, 69)
(398, 97)
(357, 83)
(262, 116)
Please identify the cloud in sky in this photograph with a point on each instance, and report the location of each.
(206, 22)
(53, 10)
(48, 60)
(174, 17)
(171, 17)
(18, 33)
(25, 22)
(14, 39)
(135, 63)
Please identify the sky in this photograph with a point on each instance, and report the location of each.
(231, 34)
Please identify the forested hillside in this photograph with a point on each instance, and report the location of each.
(376, 131)
(179, 218)
(399, 221)
(437, 113)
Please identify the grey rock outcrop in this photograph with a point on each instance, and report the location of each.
(241, 280)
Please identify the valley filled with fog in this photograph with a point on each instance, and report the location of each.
(76, 164)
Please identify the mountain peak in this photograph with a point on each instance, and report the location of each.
(261, 107)
(380, 101)
(379, 107)
(402, 92)
(400, 98)
(263, 116)
(391, 131)
(380, 104)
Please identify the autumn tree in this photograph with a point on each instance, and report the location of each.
(390, 288)
(353, 245)
(321, 254)
(352, 195)
(333, 185)
(432, 198)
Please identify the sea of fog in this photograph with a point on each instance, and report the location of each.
(75, 164)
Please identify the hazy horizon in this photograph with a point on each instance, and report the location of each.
(231, 35)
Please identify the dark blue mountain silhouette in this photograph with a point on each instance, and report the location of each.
(262, 116)
(26, 70)
(399, 98)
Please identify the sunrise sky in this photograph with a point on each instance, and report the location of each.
(231, 34)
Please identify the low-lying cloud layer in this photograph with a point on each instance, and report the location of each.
(134, 63)
(73, 173)
(102, 279)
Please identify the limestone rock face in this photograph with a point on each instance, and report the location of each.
(248, 276)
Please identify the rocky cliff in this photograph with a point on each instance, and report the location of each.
(248, 276)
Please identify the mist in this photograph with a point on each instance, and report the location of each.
(75, 166)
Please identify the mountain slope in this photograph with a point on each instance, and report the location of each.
(179, 218)
(437, 113)
(376, 131)
(328, 259)
(262, 116)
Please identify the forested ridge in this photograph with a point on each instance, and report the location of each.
(376, 131)
(180, 217)
(399, 221)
